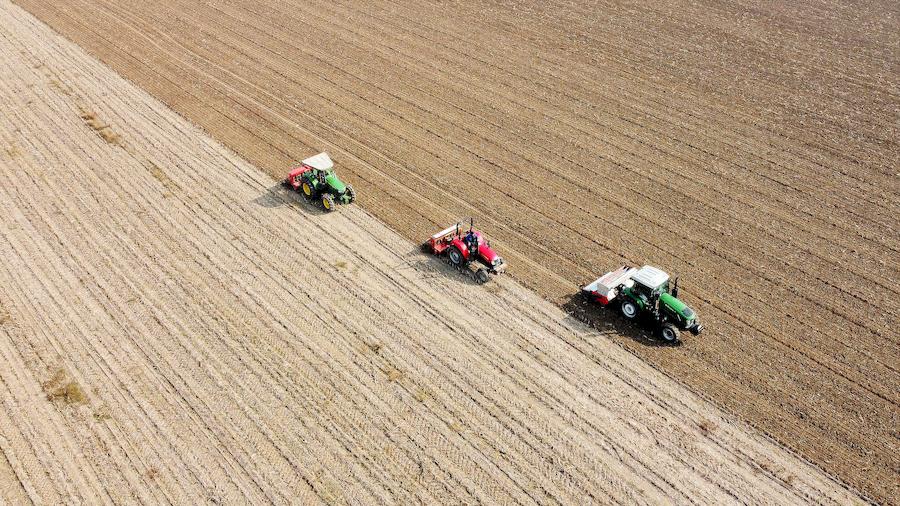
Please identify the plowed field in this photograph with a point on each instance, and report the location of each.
(176, 328)
(750, 148)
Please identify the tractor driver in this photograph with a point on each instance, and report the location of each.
(321, 176)
(653, 300)
(470, 238)
(471, 241)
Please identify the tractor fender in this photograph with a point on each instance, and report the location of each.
(461, 246)
(297, 175)
(627, 295)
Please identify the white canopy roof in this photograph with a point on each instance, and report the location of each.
(321, 161)
(650, 277)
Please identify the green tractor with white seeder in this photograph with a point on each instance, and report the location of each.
(315, 178)
(646, 294)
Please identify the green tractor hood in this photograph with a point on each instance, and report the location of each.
(677, 306)
(336, 184)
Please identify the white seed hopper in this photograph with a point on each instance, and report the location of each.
(321, 162)
(604, 287)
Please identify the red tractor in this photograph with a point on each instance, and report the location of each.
(465, 248)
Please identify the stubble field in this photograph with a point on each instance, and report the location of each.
(750, 148)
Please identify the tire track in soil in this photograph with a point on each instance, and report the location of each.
(87, 191)
(116, 178)
(548, 85)
(11, 489)
(875, 128)
(67, 314)
(790, 111)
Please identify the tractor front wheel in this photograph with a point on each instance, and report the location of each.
(455, 256)
(481, 276)
(328, 202)
(629, 309)
(669, 333)
(351, 194)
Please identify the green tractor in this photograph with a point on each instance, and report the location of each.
(315, 178)
(646, 293)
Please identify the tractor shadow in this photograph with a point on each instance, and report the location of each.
(280, 195)
(430, 266)
(608, 320)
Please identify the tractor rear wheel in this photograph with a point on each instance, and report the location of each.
(481, 276)
(455, 256)
(669, 333)
(629, 309)
(307, 189)
(328, 202)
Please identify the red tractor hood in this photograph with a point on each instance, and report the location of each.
(487, 253)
